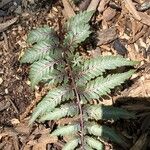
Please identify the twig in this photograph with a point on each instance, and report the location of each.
(93, 5)
(15, 108)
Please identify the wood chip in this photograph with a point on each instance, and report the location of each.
(102, 5)
(145, 19)
(84, 4)
(69, 12)
(93, 5)
(106, 36)
(131, 8)
(109, 14)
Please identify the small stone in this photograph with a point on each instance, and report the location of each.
(6, 91)
(15, 121)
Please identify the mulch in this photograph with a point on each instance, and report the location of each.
(120, 28)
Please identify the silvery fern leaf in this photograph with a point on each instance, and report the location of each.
(63, 111)
(66, 130)
(106, 132)
(102, 86)
(71, 145)
(94, 143)
(42, 34)
(99, 112)
(41, 70)
(49, 102)
(41, 50)
(94, 67)
(88, 147)
(75, 83)
(78, 29)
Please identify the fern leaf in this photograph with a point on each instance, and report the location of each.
(66, 130)
(96, 66)
(87, 147)
(41, 50)
(102, 86)
(42, 34)
(81, 18)
(106, 132)
(99, 112)
(49, 102)
(78, 29)
(71, 145)
(94, 143)
(63, 111)
(41, 70)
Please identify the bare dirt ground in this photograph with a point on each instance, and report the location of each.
(121, 28)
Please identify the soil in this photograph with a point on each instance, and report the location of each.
(17, 99)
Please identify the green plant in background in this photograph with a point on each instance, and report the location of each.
(77, 81)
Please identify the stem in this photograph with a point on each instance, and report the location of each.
(79, 106)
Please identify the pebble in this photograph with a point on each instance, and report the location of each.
(6, 91)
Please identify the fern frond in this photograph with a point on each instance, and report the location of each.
(42, 34)
(71, 145)
(67, 130)
(78, 29)
(106, 132)
(94, 67)
(99, 112)
(75, 83)
(102, 86)
(42, 50)
(94, 143)
(63, 111)
(50, 101)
